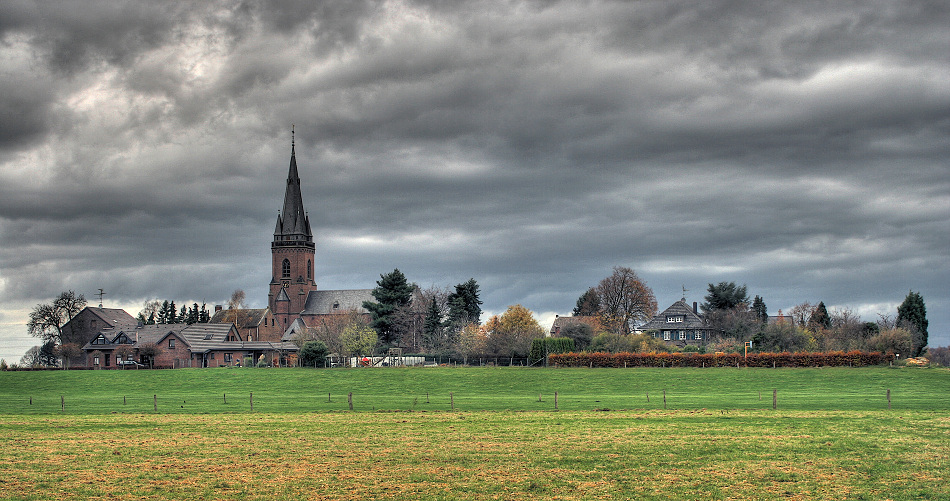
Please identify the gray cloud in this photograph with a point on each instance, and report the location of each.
(799, 148)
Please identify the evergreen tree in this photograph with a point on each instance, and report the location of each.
(588, 305)
(151, 319)
(163, 313)
(204, 316)
(912, 313)
(193, 314)
(392, 292)
(464, 305)
(819, 318)
(432, 326)
(760, 310)
(724, 296)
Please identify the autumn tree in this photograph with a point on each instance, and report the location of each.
(359, 339)
(625, 300)
(511, 334)
(47, 320)
(471, 341)
(392, 292)
(912, 315)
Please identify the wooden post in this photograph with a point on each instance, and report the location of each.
(555, 400)
(774, 399)
(328, 398)
(888, 399)
(123, 400)
(760, 395)
(252, 401)
(62, 400)
(155, 403)
(648, 397)
(539, 398)
(31, 400)
(225, 399)
(452, 399)
(664, 399)
(427, 397)
(349, 399)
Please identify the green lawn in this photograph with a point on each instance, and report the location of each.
(832, 436)
(473, 389)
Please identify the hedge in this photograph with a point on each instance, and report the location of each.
(553, 344)
(802, 359)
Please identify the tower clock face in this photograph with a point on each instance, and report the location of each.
(285, 284)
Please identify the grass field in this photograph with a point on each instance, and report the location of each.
(472, 389)
(832, 436)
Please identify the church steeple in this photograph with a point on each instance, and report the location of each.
(292, 252)
(293, 225)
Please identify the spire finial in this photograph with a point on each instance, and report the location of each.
(291, 135)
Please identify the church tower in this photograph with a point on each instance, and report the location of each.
(292, 253)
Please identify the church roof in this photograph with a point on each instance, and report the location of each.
(326, 302)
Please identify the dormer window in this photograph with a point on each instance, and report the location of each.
(675, 319)
(336, 305)
(100, 339)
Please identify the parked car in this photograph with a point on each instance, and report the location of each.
(131, 364)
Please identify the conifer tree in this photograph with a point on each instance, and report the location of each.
(432, 325)
(464, 305)
(760, 310)
(392, 292)
(913, 313)
(819, 318)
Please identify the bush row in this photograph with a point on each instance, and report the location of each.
(803, 359)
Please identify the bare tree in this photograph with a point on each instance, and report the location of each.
(47, 320)
(625, 300)
(67, 351)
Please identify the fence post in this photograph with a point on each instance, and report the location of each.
(328, 398)
(62, 400)
(427, 397)
(252, 401)
(452, 399)
(664, 398)
(155, 403)
(225, 399)
(648, 397)
(123, 400)
(555, 400)
(774, 399)
(888, 399)
(349, 399)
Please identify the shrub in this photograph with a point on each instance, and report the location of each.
(3, 365)
(313, 354)
(939, 356)
(785, 359)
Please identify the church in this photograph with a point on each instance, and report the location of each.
(293, 291)
(112, 338)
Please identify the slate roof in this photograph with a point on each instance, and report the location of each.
(293, 224)
(139, 334)
(114, 317)
(692, 320)
(296, 326)
(245, 318)
(321, 302)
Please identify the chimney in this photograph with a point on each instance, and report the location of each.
(217, 308)
(694, 308)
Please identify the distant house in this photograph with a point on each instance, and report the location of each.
(83, 327)
(178, 346)
(252, 324)
(679, 325)
(562, 322)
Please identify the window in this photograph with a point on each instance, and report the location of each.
(285, 269)
(682, 335)
(95, 360)
(674, 319)
(336, 305)
(699, 335)
(171, 344)
(227, 358)
(212, 355)
(666, 335)
(100, 339)
(118, 359)
(107, 360)
(308, 270)
(209, 336)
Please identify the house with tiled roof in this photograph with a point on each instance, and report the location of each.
(679, 325)
(181, 345)
(86, 324)
(253, 324)
(562, 322)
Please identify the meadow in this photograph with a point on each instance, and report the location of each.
(832, 435)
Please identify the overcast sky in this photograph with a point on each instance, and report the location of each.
(801, 148)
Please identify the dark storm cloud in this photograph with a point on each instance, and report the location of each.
(800, 148)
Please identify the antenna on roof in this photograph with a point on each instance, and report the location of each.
(685, 290)
(100, 294)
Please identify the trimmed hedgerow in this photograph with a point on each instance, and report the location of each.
(554, 345)
(802, 359)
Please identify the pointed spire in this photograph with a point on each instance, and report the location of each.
(292, 223)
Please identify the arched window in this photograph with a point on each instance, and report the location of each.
(285, 269)
(308, 270)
